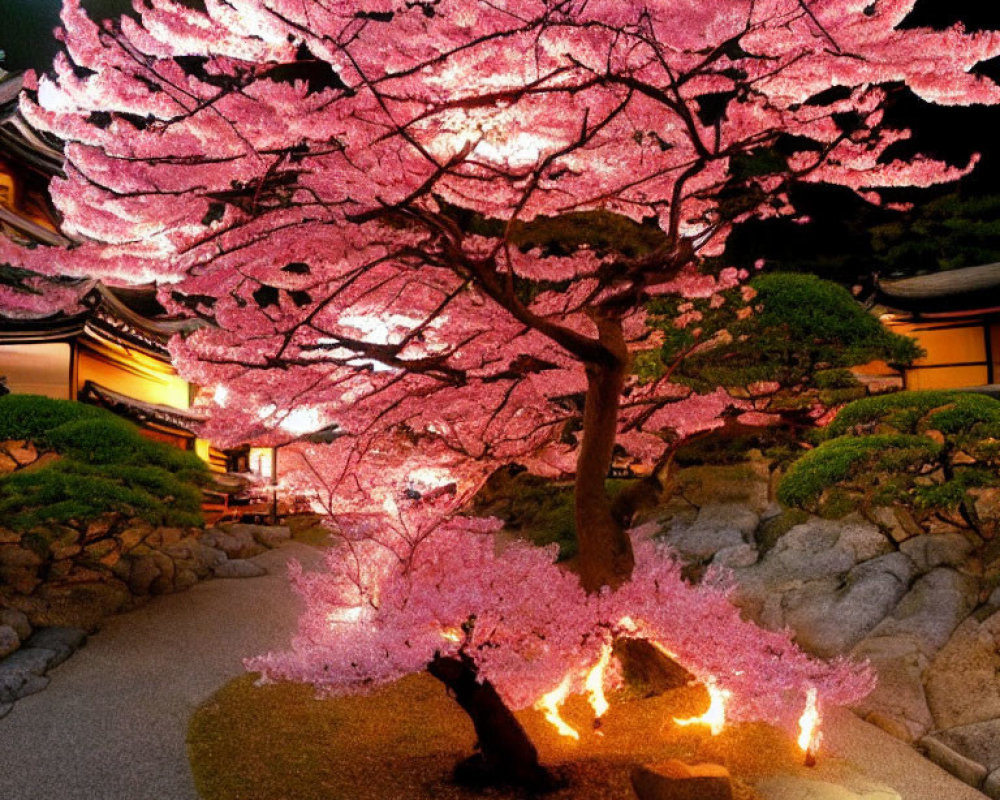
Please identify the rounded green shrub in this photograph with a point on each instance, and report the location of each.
(29, 416)
(105, 465)
(839, 460)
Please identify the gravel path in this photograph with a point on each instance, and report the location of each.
(112, 723)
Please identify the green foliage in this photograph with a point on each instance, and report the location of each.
(28, 416)
(925, 451)
(843, 459)
(803, 333)
(952, 413)
(105, 465)
(948, 232)
(69, 490)
(112, 440)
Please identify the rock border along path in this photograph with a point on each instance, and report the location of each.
(112, 724)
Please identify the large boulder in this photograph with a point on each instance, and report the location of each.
(828, 623)
(929, 613)
(898, 704)
(237, 542)
(961, 682)
(804, 571)
(928, 551)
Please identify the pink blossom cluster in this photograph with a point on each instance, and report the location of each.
(374, 616)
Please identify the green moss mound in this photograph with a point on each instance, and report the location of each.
(953, 413)
(839, 461)
(929, 452)
(105, 465)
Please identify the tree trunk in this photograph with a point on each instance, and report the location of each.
(506, 754)
(606, 557)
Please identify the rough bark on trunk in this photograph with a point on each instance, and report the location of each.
(506, 754)
(606, 557)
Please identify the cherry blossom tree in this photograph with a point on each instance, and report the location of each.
(347, 191)
(439, 222)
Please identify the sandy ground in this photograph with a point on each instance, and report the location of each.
(112, 723)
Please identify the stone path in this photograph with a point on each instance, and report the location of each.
(113, 721)
(112, 724)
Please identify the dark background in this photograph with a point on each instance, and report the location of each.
(838, 242)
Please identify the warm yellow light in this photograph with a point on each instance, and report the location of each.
(809, 734)
(715, 717)
(595, 683)
(348, 615)
(549, 705)
(452, 635)
(260, 461)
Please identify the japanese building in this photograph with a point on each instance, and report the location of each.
(112, 352)
(955, 316)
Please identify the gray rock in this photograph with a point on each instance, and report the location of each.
(736, 557)
(728, 515)
(206, 557)
(898, 704)
(5, 709)
(35, 660)
(272, 536)
(961, 682)
(937, 550)
(9, 640)
(810, 551)
(237, 543)
(22, 673)
(827, 624)
(239, 568)
(932, 609)
(697, 542)
(862, 539)
(16, 619)
(963, 768)
(977, 742)
(15, 685)
(61, 641)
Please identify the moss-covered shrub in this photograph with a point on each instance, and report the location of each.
(849, 458)
(104, 465)
(952, 413)
(29, 416)
(934, 453)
